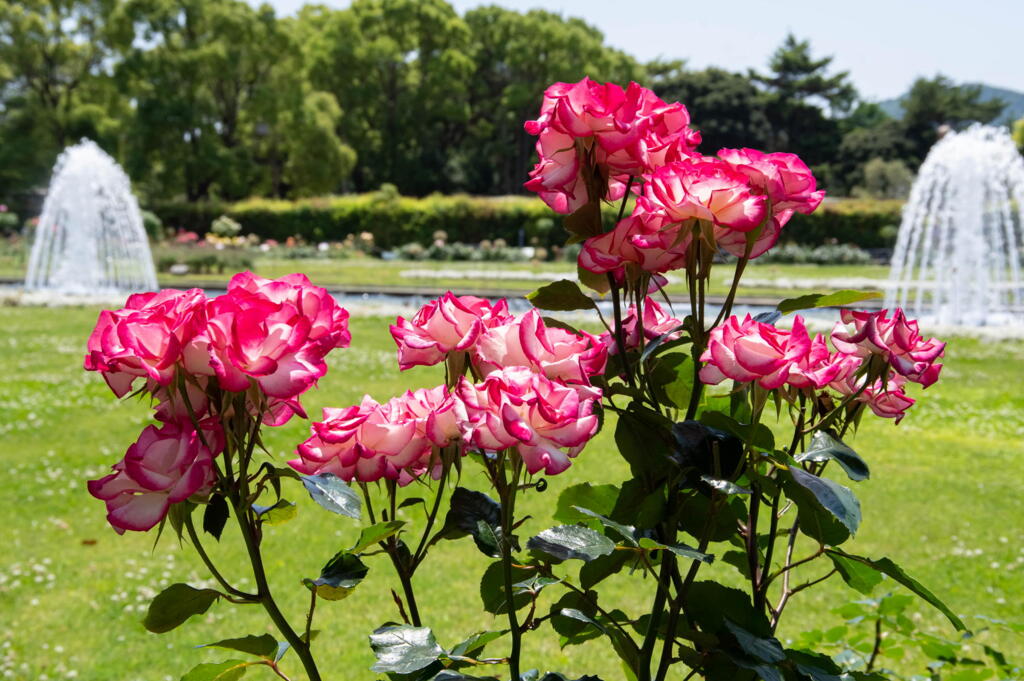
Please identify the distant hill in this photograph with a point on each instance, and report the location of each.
(1014, 103)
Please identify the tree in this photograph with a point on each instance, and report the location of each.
(797, 88)
(1018, 134)
(726, 107)
(934, 102)
(399, 69)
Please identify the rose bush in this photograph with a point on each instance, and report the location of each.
(685, 394)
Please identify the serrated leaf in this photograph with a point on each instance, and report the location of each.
(229, 670)
(492, 589)
(265, 646)
(215, 517)
(597, 498)
(571, 541)
(861, 577)
(887, 567)
(624, 531)
(404, 649)
(278, 514)
(824, 447)
(833, 497)
(175, 604)
(475, 644)
(561, 296)
(333, 493)
(376, 533)
(476, 514)
(681, 550)
(340, 576)
(837, 299)
(766, 649)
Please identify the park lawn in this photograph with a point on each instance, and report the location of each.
(943, 500)
(773, 280)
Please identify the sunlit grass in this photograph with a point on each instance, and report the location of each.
(943, 500)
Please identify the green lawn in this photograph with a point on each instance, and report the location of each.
(772, 280)
(944, 500)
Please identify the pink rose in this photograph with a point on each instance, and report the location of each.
(145, 338)
(371, 441)
(450, 323)
(638, 240)
(705, 189)
(786, 179)
(735, 243)
(166, 465)
(546, 422)
(887, 400)
(554, 352)
(749, 351)
(897, 339)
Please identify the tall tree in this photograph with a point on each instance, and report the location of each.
(934, 102)
(798, 88)
(726, 107)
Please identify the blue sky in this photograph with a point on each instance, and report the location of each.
(884, 44)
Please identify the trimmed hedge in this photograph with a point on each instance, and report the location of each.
(398, 220)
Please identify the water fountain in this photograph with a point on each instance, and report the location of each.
(959, 257)
(90, 240)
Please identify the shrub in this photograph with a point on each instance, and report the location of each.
(396, 220)
(828, 254)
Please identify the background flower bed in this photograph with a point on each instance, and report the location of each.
(69, 586)
(397, 220)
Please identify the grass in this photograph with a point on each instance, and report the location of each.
(777, 281)
(944, 501)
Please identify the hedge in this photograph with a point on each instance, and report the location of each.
(397, 220)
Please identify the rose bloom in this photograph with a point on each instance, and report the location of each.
(371, 441)
(165, 466)
(637, 239)
(887, 400)
(656, 322)
(750, 351)
(705, 189)
(449, 324)
(785, 178)
(145, 338)
(897, 339)
(554, 352)
(546, 422)
(623, 132)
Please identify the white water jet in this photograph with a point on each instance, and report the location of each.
(90, 240)
(960, 250)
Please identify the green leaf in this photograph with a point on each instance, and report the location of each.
(709, 603)
(833, 497)
(861, 577)
(561, 296)
(331, 492)
(571, 541)
(759, 436)
(339, 577)
(624, 531)
(403, 649)
(584, 223)
(492, 589)
(764, 648)
(215, 517)
(265, 646)
(887, 567)
(218, 671)
(376, 533)
(656, 343)
(597, 282)
(837, 299)
(474, 513)
(825, 447)
(593, 572)
(597, 498)
(474, 645)
(175, 604)
(681, 550)
(644, 440)
(278, 514)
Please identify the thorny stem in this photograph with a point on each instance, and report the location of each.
(507, 492)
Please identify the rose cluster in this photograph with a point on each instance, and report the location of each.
(532, 394)
(593, 138)
(263, 340)
(870, 364)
